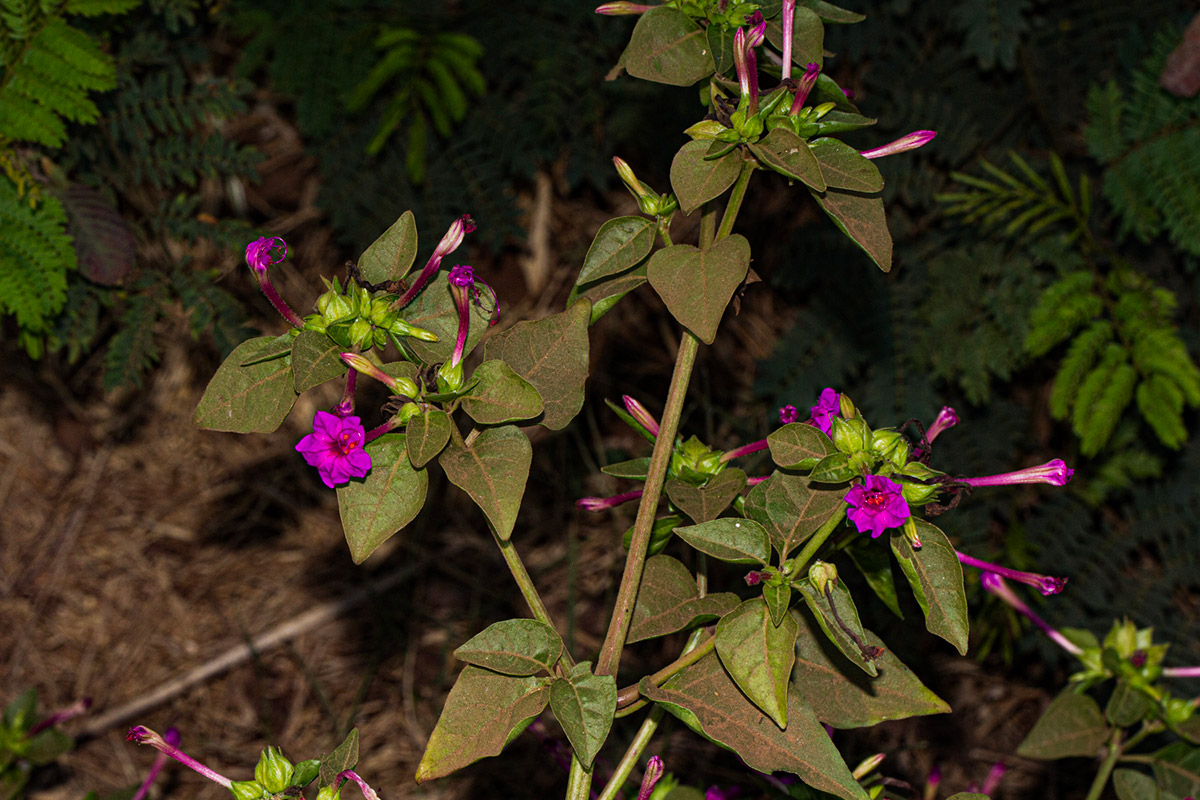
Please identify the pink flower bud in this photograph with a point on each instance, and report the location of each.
(621, 9)
(910, 141)
(1055, 473)
(946, 418)
(654, 771)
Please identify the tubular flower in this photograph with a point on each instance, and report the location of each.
(788, 414)
(946, 418)
(803, 86)
(654, 771)
(335, 448)
(449, 243)
(465, 287)
(639, 413)
(1055, 473)
(260, 257)
(744, 450)
(909, 141)
(789, 22)
(143, 735)
(72, 711)
(605, 503)
(876, 505)
(829, 405)
(1045, 584)
(996, 585)
(351, 775)
(746, 63)
(171, 737)
(620, 9)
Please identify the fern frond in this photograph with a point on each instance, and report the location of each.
(134, 348)
(35, 255)
(1062, 308)
(94, 8)
(1078, 362)
(992, 29)
(1102, 399)
(1161, 402)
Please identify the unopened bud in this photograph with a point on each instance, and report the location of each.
(247, 790)
(273, 771)
(329, 793)
(846, 405)
(867, 766)
(850, 436)
(822, 574)
(890, 446)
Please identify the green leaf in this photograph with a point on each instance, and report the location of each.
(344, 757)
(21, 711)
(790, 156)
(1177, 769)
(315, 360)
(876, 566)
(758, 655)
(1127, 706)
(484, 712)
(514, 647)
(552, 354)
(831, 13)
(493, 471)
(375, 508)
(778, 597)
(730, 539)
(620, 244)
(1130, 784)
(668, 47)
(705, 504)
(790, 509)
(696, 285)
(635, 469)
(584, 704)
(280, 346)
(501, 395)
(669, 601)
(794, 445)
(247, 399)
(862, 219)
(427, 434)
(45, 747)
(720, 42)
(390, 257)
(434, 310)
(606, 293)
(696, 179)
(828, 616)
(936, 578)
(843, 167)
(833, 468)
(12, 781)
(306, 772)
(808, 36)
(846, 697)
(1071, 725)
(705, 694)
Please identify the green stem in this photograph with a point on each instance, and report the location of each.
(660, 459)
(708, 225)
(629, 695)
(579, 782)
(633, 753)
(814, 544)
(735, 200)
(1106, 767)
(525, 583)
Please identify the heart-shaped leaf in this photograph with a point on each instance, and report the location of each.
(860, 217)
(790, 509)
(484, 712)
(840, 622)
(790, 156)
(720, 42)
(390, 257)
(552, 354)
(705, 695)
(705, 504)
(730, 539)
(668, 47)
(501, 395)
(844, 168)
(669, 601)
(808, 36)
(758, 655)
(1130, 784)
(375, 508)
(828, 12)
(936, 578)
(315, 359)
(247, 398)
(798, 446)
(696, 179)
(493, 471)
(1072, 725)
(846, 697)
(278, 347)
(619, 245)
(696, 285)
(427, 435)
(513, 647)
(584, 704)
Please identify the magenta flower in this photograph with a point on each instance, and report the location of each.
(746, 63)
(996, 585)
(605, 503)
(449, 243)
(143, 735)
(171, 737)
(363, 786)
(789, 22)
(1055, 473)
(335, 448)
(829, 405)
(876, 505)
(465, 287)
(788, 414)
(260, 257)
(639, 413)
(803, 86)
(654, 770)
(72, 711)
(1045, 584)
(946, 418)
(909, 141)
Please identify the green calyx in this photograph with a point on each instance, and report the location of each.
(693, 462)
(354, 318)
(273, 772)
(851, 436)
(247, 790)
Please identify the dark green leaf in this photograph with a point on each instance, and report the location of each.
(604, 294)
(552, 354)
(1071, 725)
(861, 218)
(315, 359)
(47, 746)
(720, 42)
(808, 36)
(696, 285)
(634, 469)
(390, 257)
(619, 245)
(696, 179)
(844, 168)
(705, 694)
(428, 434)
(306, 772)
(1127, 706)
(936, 578)
(795, 445)
(789, 155)
(344, 757)
(484, 712)
(833, 468)
(875, 564)
(705, 504)
(668, 47)
(778, 597)
(1177, 769)
(493, 471)
(831, 13)
(280, 346)
(848, 636)
(584, 704)
(247, 399)
(13, 780)
(845, 697)
(730, 539)
(842, 122)
(514, 647)
(501, 395)
(669, 601)
(790, 509)
(375, 508)
(21, 711)
(1133, 785)
(758, 655)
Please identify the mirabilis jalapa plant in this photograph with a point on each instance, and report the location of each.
(760, 676)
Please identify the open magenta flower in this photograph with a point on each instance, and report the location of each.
(828, 406)
(1055, 473)
(335, 448)
(788, 414)
(876, 505)
(910, 141)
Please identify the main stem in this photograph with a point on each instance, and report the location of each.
(1106, 767)
(814, 544)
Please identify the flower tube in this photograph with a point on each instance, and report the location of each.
(803, 86)
(605, 503)
(946, 418)
(449, 243)
(1045, 584)
(143, 735)
(260, 255)
(1055, 473)
(996, 585)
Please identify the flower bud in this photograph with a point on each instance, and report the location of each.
(889, 445)
(850, 435)
(450, 377)
(362, 334)
(867, 766)
(822, 574)
(247, 790)
(402, 328)
(846, 407)
(273, 771)
(329, 793)
(382, 314)
(335, 306)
